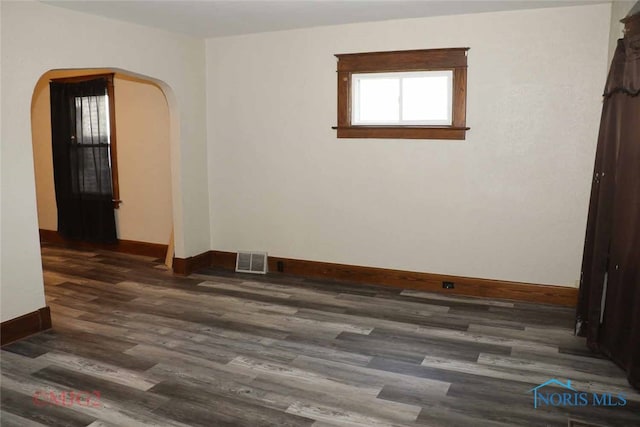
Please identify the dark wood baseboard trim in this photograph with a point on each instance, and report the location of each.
(155, 250)
(186, 266)
(23, 326)
(227, 260)
(468, 286)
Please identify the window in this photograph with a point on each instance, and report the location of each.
(404, 94)
(91, 150)
(92, 140)
(418, 98)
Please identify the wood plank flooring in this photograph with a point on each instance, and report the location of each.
(221, 349)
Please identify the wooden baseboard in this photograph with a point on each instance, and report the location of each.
(155, 250)
(186, 266)
(227, 260)
(23, 326)
(469, 286)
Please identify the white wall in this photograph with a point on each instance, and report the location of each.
(36, 38)
(508, 203)
(144, 164)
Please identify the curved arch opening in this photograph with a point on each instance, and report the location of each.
(148, 139)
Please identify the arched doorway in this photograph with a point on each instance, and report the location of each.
(144, 118)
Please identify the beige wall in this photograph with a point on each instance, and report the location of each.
(508, 203)
(36, 38)
(142, 130)
(142, 121)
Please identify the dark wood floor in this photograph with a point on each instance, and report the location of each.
(219, 349)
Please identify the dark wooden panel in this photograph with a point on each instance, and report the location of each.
(405, 60)
(186, 266)
(402, 132)
(23, 326)
(344, 98)
(470, 286)
(113, 144)
(85, 78)
(227, 260)
(454, 59)
(155, 250)
(460, 98)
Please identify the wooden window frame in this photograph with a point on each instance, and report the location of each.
(115, 184)
(454, 59)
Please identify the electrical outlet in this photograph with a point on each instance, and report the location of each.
(448, 285)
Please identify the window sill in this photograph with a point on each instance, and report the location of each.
(402, 132)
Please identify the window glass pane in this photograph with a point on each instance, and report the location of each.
(90, 155)
(378, 100)
(92, 120)
(427, 98)
(403, 98)
(93, 172)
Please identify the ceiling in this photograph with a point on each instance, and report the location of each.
(218, 18)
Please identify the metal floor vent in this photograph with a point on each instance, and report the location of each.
(251, 262)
